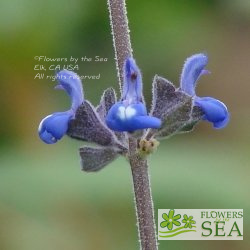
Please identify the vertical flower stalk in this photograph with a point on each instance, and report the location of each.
(120, 32)
(139, 166)
(143, 198)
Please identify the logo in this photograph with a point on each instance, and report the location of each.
(200, 224)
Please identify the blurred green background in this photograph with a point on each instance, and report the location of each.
(46, 202)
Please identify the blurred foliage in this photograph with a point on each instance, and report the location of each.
(45, 201)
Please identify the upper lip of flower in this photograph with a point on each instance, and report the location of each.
(71, 83)
(130, 113)
(193, 69)
(132, 87)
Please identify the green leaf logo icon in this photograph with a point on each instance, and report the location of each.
(170, 220)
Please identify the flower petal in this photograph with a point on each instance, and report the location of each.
(130, 118)
(164, 223)
(132, 87)
(214, 110)
(143, 122)
(170, 225)
(53, 127)
(177, 223)
(165, 216)
(47, 137)
(171, 214)
(71, 83)
(116, 118)
(177, 217)
(192, 70)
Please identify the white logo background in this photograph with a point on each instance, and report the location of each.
(212, 221)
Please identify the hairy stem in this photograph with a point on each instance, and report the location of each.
(120, 32)
(139, 166)
(143, 199)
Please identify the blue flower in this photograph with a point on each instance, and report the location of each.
(53, 127)
(71, 83)
(214, 110)
(130, 113)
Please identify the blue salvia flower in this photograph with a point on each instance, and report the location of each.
(130, 113)
(214, 110)
(53, 127)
